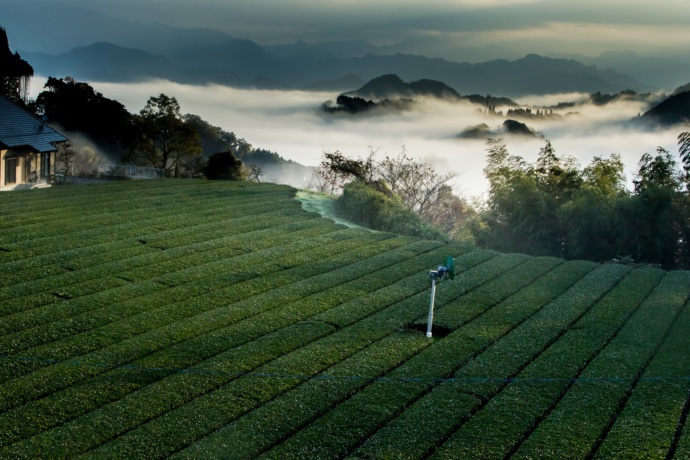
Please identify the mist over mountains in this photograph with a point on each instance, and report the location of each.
(89, 45)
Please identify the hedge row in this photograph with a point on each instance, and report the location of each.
(166, 433)
(42, 205)
(165, 307)
(163, 359)
(422, 426)
(304, 406)
(237, 240)
(80, 222)
(651, 419)
(586, 412)
(359, 416)
(63, 302)
(205, 343)
(149, 293)
(17, 246)
(518, 408)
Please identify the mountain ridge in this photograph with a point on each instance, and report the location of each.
(302, 64)
(532, 74)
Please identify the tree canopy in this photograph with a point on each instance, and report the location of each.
(76, 106)
(553, 207)
(164, 139)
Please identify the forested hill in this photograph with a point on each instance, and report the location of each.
(672, 111)
(391, 86)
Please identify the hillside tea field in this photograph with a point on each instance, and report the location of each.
(193, 319)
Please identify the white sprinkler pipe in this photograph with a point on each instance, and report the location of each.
(430, 320)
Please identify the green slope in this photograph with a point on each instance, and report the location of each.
(202, 319)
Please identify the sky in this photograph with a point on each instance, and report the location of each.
(539, 26)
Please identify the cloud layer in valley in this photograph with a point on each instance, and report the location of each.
(292, 124)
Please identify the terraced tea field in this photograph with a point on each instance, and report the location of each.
(193, 319)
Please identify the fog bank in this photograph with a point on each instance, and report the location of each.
(292, 124)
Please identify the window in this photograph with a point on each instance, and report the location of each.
(45, 164)
(10, 170)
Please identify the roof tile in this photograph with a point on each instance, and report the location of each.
(20, 128)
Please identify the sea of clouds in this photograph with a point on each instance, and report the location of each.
(292, 124)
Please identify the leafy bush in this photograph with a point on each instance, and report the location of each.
(366, 206)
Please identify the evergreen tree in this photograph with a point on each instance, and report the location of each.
(15, 72)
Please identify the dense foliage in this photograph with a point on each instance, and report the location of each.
(224, 166)
(76, 106)
(164, 139)
(15, 72)
(553, 207)
(364, 205)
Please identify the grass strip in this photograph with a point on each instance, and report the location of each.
(138, 318)
(244, 395)
(136, 224)
(207, 272)
(302, 408)
(149, 233)
(58, 376)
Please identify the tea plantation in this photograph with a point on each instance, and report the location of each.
(193, 319)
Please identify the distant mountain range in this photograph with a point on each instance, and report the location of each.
(98, 47)
(432, 47)
(661, 72)
(243, 63)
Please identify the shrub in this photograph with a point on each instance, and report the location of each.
(224, 166)
(364, 205)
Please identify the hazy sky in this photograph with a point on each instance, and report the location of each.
(541, 26)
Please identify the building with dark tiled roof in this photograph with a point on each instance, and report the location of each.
(27, 146)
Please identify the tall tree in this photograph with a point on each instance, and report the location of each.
(164, 139)
(588, 216)
(684, 151)
(224, 166)
(15, 72)
(524, 199)
(649, 224)
(416, 182)
(660, 171)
